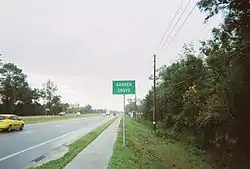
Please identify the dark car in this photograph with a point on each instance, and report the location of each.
(114, 114)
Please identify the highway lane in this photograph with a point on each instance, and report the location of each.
(17, 149)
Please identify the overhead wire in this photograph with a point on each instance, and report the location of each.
(170, 23)
(183, 23)
(199, 75)
(169, 35)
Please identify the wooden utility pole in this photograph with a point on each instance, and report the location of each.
(154, 111)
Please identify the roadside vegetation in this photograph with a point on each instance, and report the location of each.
(203, 98)
(75, 148)
(18, 97)
(145, 151)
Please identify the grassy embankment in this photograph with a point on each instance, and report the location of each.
(146, 151)
(75, 148)
(40, 119)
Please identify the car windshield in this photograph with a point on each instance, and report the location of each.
(2, 117)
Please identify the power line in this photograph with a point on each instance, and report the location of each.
(176, 22)
(154, 111)
(169, 25)
(197, 76)
(197, 35)
(176, 33)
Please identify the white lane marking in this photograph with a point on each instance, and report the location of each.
(25, 132)
(58, 125)
(38, 145)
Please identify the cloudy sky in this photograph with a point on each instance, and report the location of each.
(83, 45)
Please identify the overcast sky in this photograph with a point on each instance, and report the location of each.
(83, 45)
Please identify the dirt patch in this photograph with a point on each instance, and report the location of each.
(53, 155)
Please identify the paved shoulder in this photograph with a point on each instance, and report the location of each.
(98, 153)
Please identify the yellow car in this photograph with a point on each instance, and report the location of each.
(10, 122)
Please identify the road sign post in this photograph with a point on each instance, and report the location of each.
(123, 87)
(123, 123)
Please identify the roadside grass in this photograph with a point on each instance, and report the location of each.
(75, 148)
(40, 119)
(146, 151)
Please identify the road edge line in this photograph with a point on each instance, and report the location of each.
(102, 128)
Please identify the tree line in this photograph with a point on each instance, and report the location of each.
(204, 97)
(18, 97)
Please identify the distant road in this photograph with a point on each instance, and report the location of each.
(17, 148)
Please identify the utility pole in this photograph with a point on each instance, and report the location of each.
(154, 111)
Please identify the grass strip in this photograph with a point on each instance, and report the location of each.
(40, 119)
(76, 147)
(146, 151)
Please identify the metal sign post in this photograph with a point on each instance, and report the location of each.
(123, 87)
(123, 123)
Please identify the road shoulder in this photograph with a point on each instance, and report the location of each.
(98, 153)
(62, 156)
(145, 150)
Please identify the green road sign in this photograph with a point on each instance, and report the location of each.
(123, 87)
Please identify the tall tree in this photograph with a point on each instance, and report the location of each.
(49, 93)
(236, 26)
(14, 86)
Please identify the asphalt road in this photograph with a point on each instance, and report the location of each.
(17, 149)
